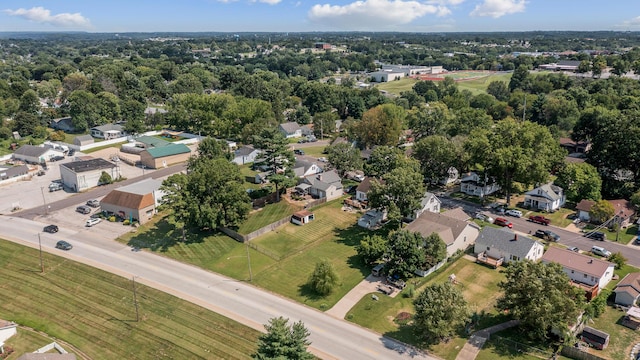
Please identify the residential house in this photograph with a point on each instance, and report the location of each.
(303, 168)
(7, 330)
(575, 147)
(35, 154)
(363, 189)
(13, 171)
(478, 185)
(628, 290)
(457, 213)
(84, 174)
(583, 208)
(164, 156)
(452, 177)
(107, 131)
(456, 234)
(372, 219)
(65, 124)
(307, 130)
(83, 140)
(291, 129)
(547, 197)
(495, 246)
(429, 202)
(138, 201)
(591, 274)
(322, 185)
(245, 155)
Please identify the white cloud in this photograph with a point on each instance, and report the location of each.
(635, 22)
(373, 14)
(43, 16)
(270, 2)
(498, 8)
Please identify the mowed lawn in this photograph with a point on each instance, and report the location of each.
(621, 340)
(267, 215)
(479, 86)
(397, 86)
(479, 285)
(94, 312)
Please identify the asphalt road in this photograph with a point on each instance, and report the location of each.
(331, 338)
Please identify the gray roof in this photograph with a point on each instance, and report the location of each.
(30, 150)
(447, 227)
(324, 180)
(548, 191)
(142, 187)
(108, 127)
(13, 171)
(244, 151)
(505, 240)
(301, 167)
(88, 165)
(425, 199)
(290, 127)
(84, 138)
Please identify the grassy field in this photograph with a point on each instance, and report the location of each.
(267, 215)
(315, 151)
(625, 236)
(622, 338)
(558, 218)
(398, 86)
(93, 311)
(479, 86)
(479, 285)
(28, 341)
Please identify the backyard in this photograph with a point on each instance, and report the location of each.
(622, 339)
(93, 311)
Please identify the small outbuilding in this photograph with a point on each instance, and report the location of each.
(302, 217)
(164, 156)
(83, 140)
(594, 337)
(84, 174)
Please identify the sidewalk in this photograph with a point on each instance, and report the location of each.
(477, 340)
(366, 286)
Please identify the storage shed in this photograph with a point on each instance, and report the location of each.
(164, 156)
(302, 217)
(594, 337)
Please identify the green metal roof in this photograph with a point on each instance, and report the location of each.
(171, 149)
(151, 141)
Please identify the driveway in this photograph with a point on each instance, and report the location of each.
(366, 286)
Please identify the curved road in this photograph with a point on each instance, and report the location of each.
(331, 338)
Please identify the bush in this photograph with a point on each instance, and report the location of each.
(324, 278)
(126, 222)
(57, 135)
(411, 292)
(112, 218)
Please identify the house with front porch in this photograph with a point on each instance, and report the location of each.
(429, 202)
(495, 246)
(455, 233)
(478, 185)
(547, 197)
(323, 185)
(108, 131)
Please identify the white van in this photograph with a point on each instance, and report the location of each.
(600, 251)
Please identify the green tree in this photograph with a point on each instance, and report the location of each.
(431, 119)
(520, 79)
(372, 248)
(212, 148)
(25, 123)
(499, 90)
(29, 102)
(278, 157)
(441, 310)
(383, 159)
(83, 109)
(133, 114)
(618, 259)
(399, 193)
(324, 123)
(598, 64)
(324, 278)
(580, 181)
(435, 250)
(186, 83)
(436, 155)
(284, 341)
(105, 178)
(540, 296)
(601, 211)
(405, 253)
(598, 305)
(381, 125)
(344, 157)
(635, 199)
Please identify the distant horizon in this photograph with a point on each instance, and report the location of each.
(300, 16)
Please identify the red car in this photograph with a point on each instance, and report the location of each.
(539, 219)
(503, 222)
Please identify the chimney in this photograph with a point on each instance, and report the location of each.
(320, 177)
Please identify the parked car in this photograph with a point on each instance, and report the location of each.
(514, 213)
(51, 229)
(298, 152)
(547, 235)
(57, 158)
(574, 249)
(596, 235)
(92, 221)
(54, 186)
(503, 222)
(63, 245)
(83, 209)
(71, 152)
(539, 219)
(600, 251)
(302, 141)
(396, 282)
(483, 217)
(322, 159)
(93, 203)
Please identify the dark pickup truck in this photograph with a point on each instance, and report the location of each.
(539, 219)
(396, 283)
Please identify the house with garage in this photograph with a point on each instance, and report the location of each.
(138, 201)
(164, 156)
(290, 129)
(623, 211)
(456, 234)
(107, 131)
(547, 197)
(83, 140)
(245, 155)
(429, 202)
(478, 185)
(65, 124)
(322, 185)
(589, 273)
(497, 246)
(303, 168)
(583, 208)
(82, 175)
(628, 290)
(35, 154)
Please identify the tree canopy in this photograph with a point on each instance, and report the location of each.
(441, 310)
(284, 341)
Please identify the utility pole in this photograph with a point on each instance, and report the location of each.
(135, 298)
(44, 200)
(524, 109)
(249, 262)
(40, 246)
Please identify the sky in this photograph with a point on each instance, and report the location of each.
(318, 15)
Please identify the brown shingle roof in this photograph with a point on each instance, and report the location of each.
(447, 227)
(622, 205)
(574, 261)
(128, 200)
(365, 185)
(630, 283)
(585, 205)
(457, 213)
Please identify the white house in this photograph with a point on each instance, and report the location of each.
(304, 168)
(583, 208)
(452, 177)
(7, 330)
(478, 185)
(504, 246)
(291, 129)
(35, 154)
(363, 189)
(323, 185)
(456, 234)
(245, 155)
(581, 268)
(84, 174)
(547, 197)
(628, 290)
(429, 202)
(107, 131)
